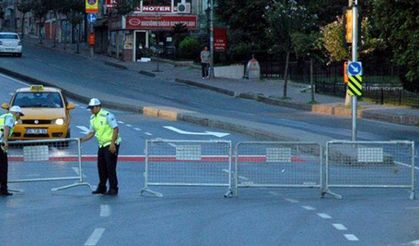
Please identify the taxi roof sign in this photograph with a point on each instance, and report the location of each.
(37, 87)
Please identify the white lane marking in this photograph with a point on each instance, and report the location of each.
(128, 125)
(105, 210)
(76, 170)
(137, 129)
(95, 237)
(308, 208)
(340, 227)
(148, 134)
(216, 134)
(291, 200)
(15, 80)
(351, 237)
(240, 177)
(324, 216)
(412, 207)
(84, 130)
(121, 122)
(273, 193)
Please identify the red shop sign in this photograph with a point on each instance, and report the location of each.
(220, 39)
(165, 22)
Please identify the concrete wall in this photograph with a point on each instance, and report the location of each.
(231, 72)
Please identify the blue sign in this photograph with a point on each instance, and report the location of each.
(91, 18)
(355, 68)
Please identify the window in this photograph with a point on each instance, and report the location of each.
(38, 100)
(8, 36)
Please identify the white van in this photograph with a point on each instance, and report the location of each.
(10, 43)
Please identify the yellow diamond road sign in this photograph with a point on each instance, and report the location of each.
(355, 85)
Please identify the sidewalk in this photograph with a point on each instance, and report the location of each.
(266, 91)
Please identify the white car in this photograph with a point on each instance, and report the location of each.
(10, 43)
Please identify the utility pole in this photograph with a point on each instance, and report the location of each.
(211, 75)
(354, 59)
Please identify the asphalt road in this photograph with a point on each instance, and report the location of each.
(197, 215)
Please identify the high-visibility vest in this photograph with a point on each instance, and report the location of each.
(2, 121)
(103, 131)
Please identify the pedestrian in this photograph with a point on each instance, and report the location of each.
(7, 123)
(205, 62)
(103, 125)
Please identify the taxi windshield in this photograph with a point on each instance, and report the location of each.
(38, 100)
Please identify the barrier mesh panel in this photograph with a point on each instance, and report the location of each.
(278, 164)
(181, 162)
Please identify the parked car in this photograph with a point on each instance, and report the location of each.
(46, 113)
(10, 43)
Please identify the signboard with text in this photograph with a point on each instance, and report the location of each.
(164, 22)
(220, 39)
(92, 6)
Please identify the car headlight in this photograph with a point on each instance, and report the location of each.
(59, 122)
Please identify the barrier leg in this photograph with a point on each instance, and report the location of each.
(335, 195)
(155, 193)
(412, 195)
(229, 193)
(72, 186)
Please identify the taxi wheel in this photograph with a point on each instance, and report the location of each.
(68, 134)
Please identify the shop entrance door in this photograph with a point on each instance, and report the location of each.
(141, 43)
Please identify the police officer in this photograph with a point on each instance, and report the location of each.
(7, 123)
(103, 125)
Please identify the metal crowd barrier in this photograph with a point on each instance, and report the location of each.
(54, 160)
(187, 163)
(370, 164)
(278, 164)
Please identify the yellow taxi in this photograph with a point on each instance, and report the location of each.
(47, 113)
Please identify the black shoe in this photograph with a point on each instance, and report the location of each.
(5, 193)
(112, 192)
(99, 190)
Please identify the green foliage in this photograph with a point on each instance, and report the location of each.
(286, 18)
(189, 48)
(24, 6)
(179, 32)
(334, 41)
(124, 7)
(398, 24)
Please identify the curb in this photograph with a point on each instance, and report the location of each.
(209, 87)
(117, 65)
(146, 73)
(172, 114)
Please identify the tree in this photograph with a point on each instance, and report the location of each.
(40, 10)
(398, 25)
(245, 21)
(74, 11)
(179, 32)
(24, 7)
(285, 18)
(124, 7)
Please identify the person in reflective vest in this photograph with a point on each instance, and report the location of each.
(103, 125)
(7, 123)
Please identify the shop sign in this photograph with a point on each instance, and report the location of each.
(110, 3)
(220, 39)
(157, 9)
(165, 22)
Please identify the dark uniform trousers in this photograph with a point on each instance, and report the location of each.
(106, 165)
(3, 171)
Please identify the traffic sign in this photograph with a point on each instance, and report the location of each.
(91, 18)
(355, 85)
(354, 68)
